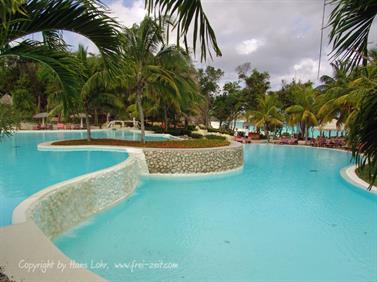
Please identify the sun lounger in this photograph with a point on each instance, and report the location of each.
(60, 126)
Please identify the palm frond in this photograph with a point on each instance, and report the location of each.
(61, 63)
(88, 18)
(350, 22)
(189, 14)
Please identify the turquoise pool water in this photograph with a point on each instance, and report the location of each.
(24, 170)
(288, 216)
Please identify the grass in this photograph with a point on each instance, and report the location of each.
(363, 174)
(184, 144)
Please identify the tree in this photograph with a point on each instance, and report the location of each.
(351, 22)
(267, 114)
(88, 18)
(304, 109)
(187, 14)
(146, 70)
(256, 85)
(338, 97)
(209, 88)
(8, 120)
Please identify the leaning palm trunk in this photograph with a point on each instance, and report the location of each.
(141, 115)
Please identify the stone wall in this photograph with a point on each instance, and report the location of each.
(190, 161)
(75, 201)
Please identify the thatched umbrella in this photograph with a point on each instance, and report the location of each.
(81, 116)
(331, 126)
(41, 116)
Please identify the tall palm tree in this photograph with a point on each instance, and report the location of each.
(267, 114)
(95, 89)
(351, 22)
(145, 67)
(333, 104)
(24, 18)
(304, 109)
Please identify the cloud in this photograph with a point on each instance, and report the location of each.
(128, 15)
(247, 47)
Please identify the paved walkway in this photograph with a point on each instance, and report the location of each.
(27, 255)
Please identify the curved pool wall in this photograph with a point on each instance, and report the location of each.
(24, 170)
(60, 207)
(63, 206)
(194, 161)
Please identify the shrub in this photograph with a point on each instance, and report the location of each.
(191, 127)
(196, 136)
(215, 137)
(179, 131)
(210, 129)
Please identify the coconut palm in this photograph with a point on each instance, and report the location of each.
(304, 109)
(96, 84)
(333, 102)
(20, 19)
(351, 22)
(363, 126)
(184, 14)
(267, 114)
(146, 66)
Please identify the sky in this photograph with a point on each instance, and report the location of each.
(281, 37)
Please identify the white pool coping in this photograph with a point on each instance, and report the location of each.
(349, 174)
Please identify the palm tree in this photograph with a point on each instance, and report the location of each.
(304, 109)
(88, 18)
(95, 90)
(267, 114)
(184, 14)
(351, 22)
(363, 126)
(145, 67)
(333, 101)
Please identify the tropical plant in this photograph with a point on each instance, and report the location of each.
(187, 14)
(351, 22)
(8, 120)
(304, 109)
(363, 125)
(267, 115)
(87, 18)
(148, 66)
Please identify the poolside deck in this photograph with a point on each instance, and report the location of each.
(27, 255)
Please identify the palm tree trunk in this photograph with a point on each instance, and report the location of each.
(141, 115)
(266, 133)
(89, 133)
(306, 133)
(96, 116)
(166, 119)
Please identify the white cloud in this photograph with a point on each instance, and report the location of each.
(128, 15)
(304, 70)
(247, 47)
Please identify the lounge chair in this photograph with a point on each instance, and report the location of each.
(60, 126)
(37, 127)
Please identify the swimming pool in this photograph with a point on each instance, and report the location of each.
(287, 216)
(24, 170)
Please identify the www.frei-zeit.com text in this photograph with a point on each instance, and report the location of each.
(134, 265)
